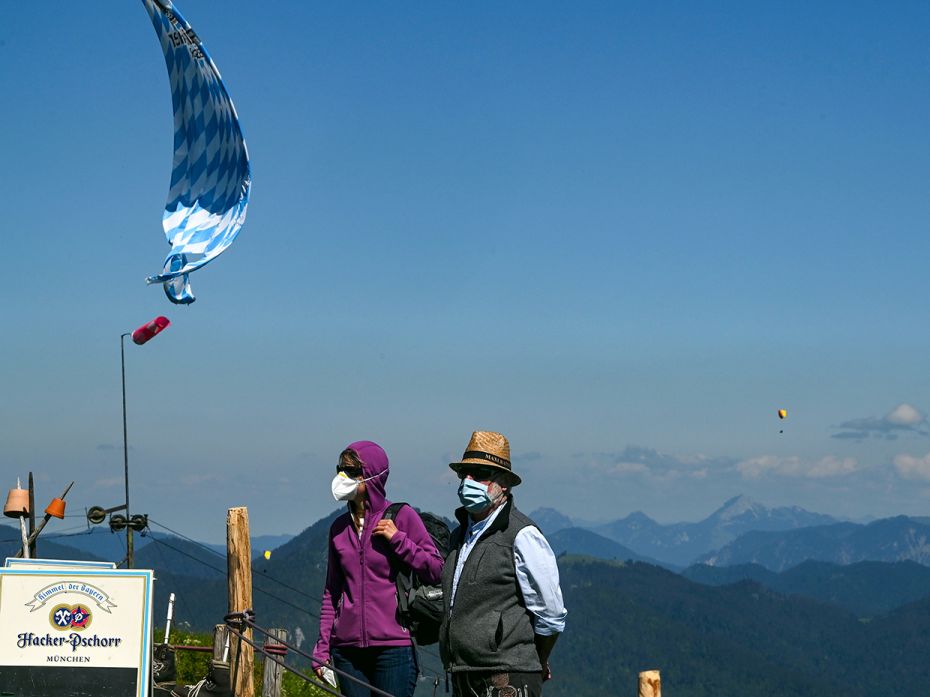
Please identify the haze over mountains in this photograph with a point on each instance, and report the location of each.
(679, 544)
(740, 532)
(890, 539)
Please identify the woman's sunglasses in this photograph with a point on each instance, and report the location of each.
(350, 471)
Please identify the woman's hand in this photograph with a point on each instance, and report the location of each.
(385, 528)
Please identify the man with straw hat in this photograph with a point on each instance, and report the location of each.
(503, 604)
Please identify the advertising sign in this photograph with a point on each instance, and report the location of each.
(75, 631)
(19, 563)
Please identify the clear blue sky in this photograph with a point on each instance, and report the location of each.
(622, 234)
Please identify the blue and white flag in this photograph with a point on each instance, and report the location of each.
(211, 177)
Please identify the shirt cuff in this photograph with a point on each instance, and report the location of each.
(547, 626)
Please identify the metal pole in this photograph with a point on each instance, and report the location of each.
(32, 518)
(122, 356)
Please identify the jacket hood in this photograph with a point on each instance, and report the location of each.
(374, 463)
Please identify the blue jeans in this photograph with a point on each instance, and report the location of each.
(389, 668)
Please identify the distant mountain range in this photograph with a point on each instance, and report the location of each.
(740, 532)
(890, 539)
(682, 543)
(551, 521)
(584, 542)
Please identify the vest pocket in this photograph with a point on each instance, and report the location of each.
(498, 632)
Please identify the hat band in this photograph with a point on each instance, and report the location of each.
(480, 455)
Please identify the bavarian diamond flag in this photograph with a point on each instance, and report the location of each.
(210, 177)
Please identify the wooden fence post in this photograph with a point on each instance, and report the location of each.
(650, 684)
(272, 678)
(239, 587)
(220, 638)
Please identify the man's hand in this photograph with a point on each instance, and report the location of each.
(385, 528)
(544, 646)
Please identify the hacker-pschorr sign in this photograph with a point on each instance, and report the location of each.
(71, 631)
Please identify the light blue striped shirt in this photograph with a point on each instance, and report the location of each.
(537, 574)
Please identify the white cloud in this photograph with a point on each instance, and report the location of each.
(658, 466)
(832, 466)
(627, 468)
(903, 418)
(904, 415)
(910, 467)
(793, 466)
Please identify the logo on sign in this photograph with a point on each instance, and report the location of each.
(96, 595)
(70, 617)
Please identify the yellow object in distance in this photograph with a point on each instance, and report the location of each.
(782, 413)
(267, 554)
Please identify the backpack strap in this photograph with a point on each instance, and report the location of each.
(404, 580)
(390, 513)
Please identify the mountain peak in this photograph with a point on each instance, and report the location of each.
(638, 517)
(550, 520)
(737, 506)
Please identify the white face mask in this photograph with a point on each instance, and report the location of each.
(345, 488)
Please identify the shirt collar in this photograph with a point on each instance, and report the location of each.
(475, 528)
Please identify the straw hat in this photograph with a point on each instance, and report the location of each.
(487, 449)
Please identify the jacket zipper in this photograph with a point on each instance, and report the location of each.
(361, 554)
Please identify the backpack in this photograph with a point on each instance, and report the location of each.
(420, 604)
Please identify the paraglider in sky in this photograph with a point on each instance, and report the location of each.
(211, 176)
(267, 554)
(782, 414)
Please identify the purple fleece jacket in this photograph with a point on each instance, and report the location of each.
(360, 599)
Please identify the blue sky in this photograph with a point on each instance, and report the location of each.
(622, 234)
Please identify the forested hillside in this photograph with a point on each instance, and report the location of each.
(740, 639)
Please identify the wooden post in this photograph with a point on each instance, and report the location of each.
(220, 637)
(274, 672)
(650, 684)
(239, 587)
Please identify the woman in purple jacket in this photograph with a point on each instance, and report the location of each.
(360, 630)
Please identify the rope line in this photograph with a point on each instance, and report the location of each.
(181, 597)
(185, 537)
(223, 556)
(223, 572)
(247, 618)
(50, 536)
(326, 687)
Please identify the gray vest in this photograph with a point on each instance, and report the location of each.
(489, 627)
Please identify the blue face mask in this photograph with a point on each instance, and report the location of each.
(474, 496)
